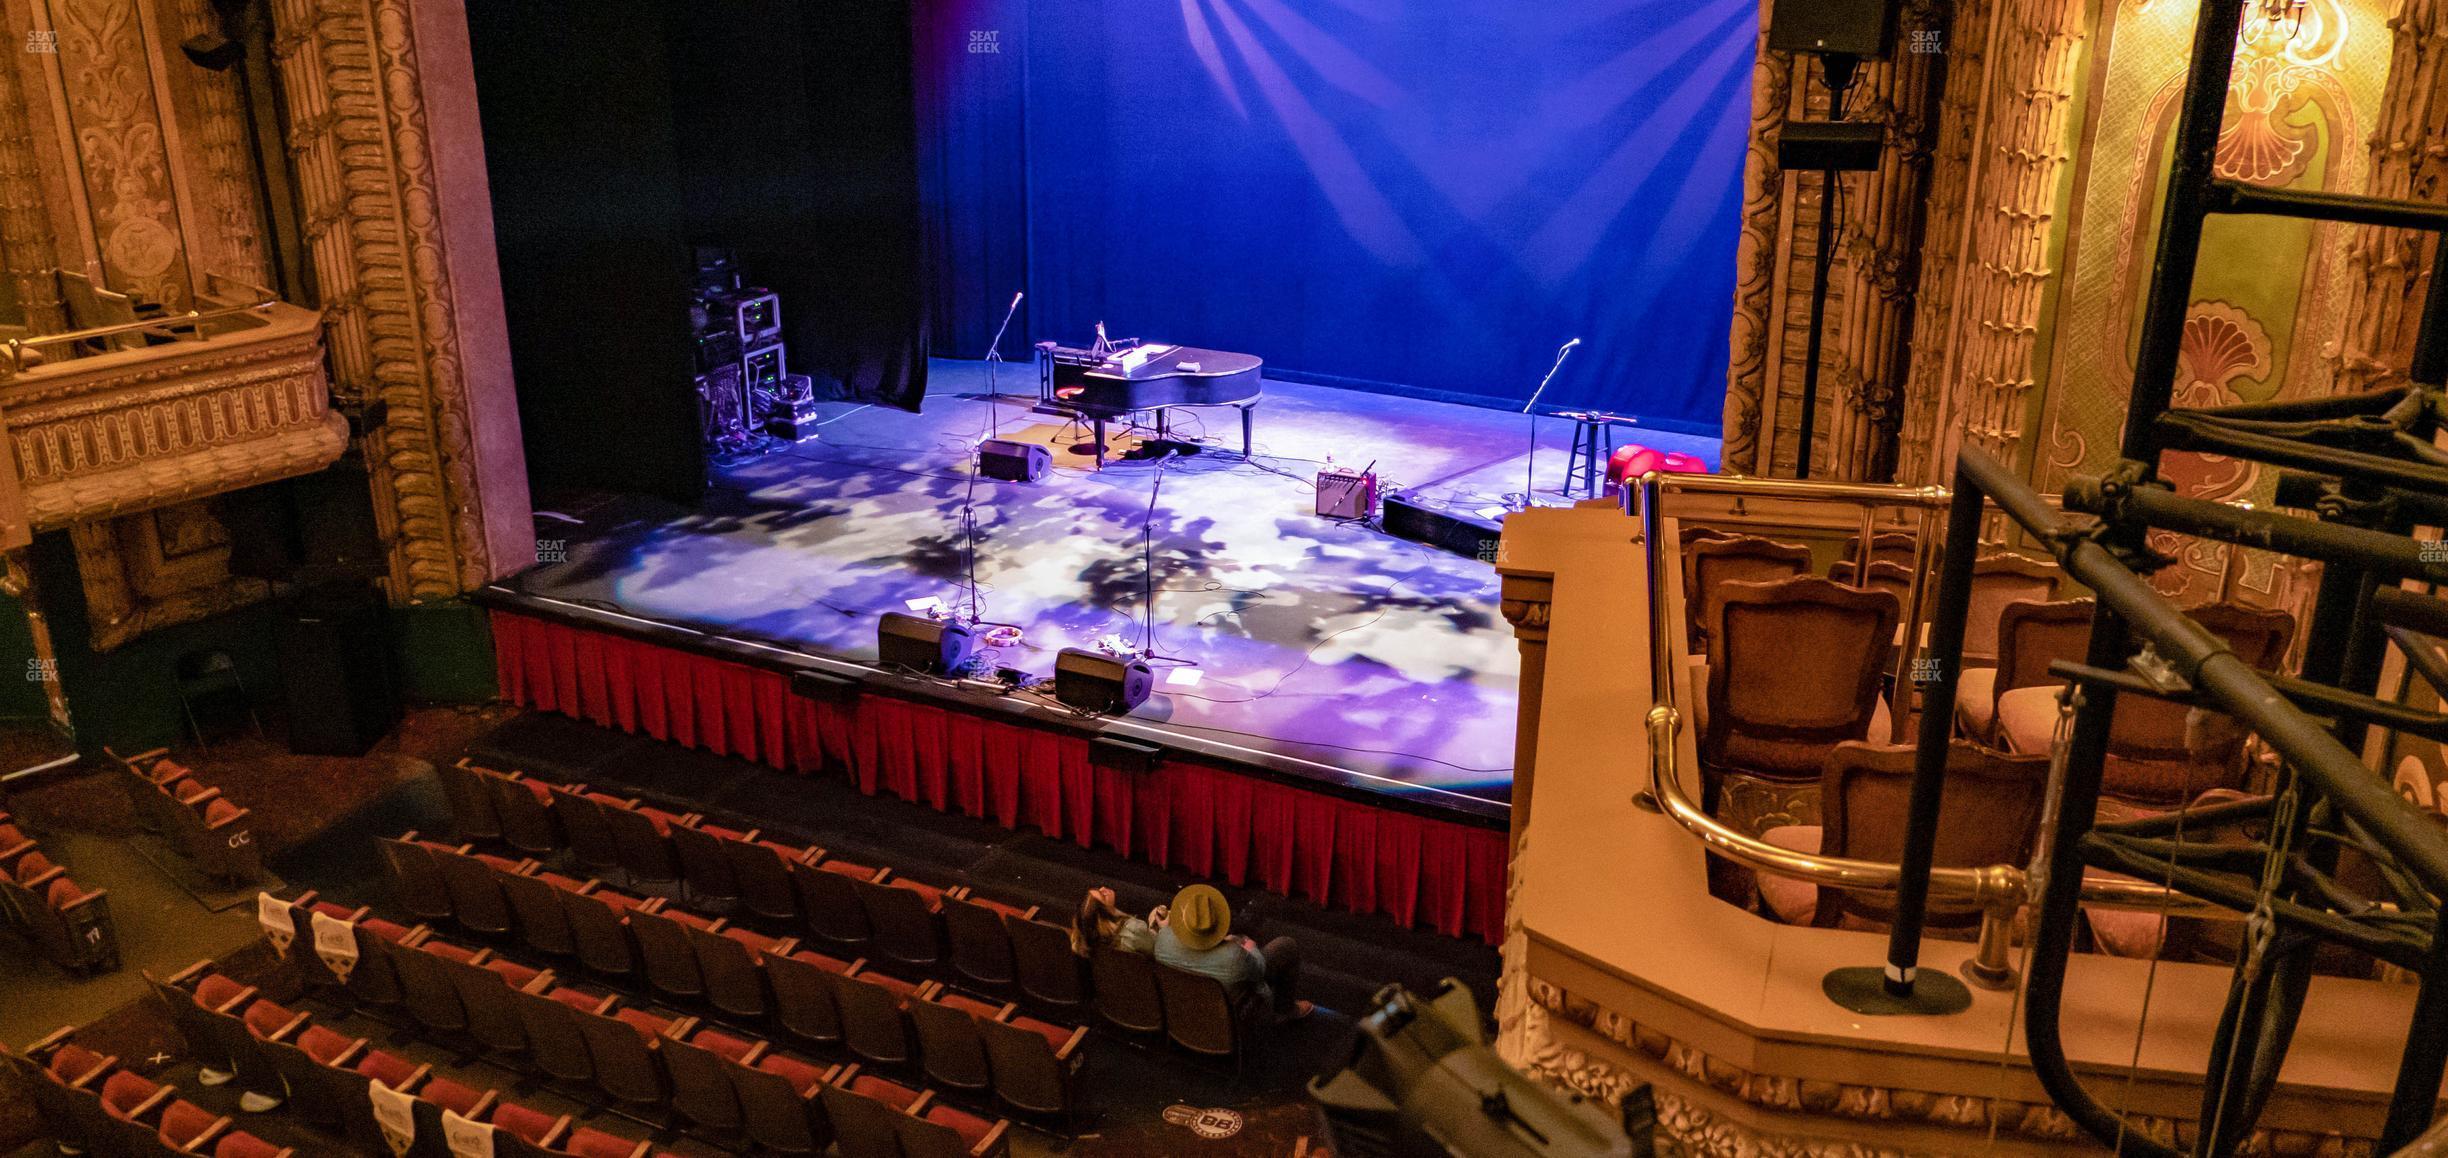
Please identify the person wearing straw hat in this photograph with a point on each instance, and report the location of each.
(1197, 937)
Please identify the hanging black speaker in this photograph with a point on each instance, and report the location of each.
(1862, 28)
(336, 682)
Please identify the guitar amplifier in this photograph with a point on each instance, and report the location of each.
(1344, 493)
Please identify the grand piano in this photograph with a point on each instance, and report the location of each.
(1138, 378)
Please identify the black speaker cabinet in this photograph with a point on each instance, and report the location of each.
(336, 680)
(915, 643)
(1836, 27)
(1094, 682)
(1819, 146)
(1013, 461)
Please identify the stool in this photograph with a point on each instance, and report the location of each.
(1593, 443)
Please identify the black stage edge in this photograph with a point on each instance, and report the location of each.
(1408, 516)
(825, 676)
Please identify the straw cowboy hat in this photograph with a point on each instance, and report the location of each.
(1200, 917)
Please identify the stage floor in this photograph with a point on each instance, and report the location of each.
(1332, 643)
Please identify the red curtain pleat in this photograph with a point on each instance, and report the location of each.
(1210, 821)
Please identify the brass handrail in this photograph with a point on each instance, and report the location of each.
(191, 317)
(1998, 890)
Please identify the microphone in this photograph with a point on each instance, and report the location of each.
(1567, 345)
(1017, 295)
(994, 351)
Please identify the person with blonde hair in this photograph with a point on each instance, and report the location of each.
(1099, 922)
(1197, 937)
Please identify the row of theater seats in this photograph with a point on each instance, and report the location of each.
(210, 831)
(90, 1101)
(43, 907)
(721, 1081)
(1029, 1064)
(851, 908)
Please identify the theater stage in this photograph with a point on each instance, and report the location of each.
(1323, 650)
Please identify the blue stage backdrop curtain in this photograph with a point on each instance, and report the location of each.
(1420, 196)
(971, 71)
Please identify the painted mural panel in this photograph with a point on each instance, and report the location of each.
(2303, 95)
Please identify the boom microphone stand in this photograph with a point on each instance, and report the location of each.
(1530, 467)
(994, 357)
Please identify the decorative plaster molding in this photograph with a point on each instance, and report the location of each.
(365, 171)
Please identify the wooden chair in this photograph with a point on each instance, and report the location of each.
(1710, 564)
(473, 881)
(1990, 814)
(426, 987)
(732, 962)
(781, 1106)
(663, 941)
(68, 1087)
(2030, 636)
(599, 919)
(763, 869)
(549, 1015)
(907, 922)
(641, 835)
(700, 1062)
(467, 791)
(803, 990)
(1999, 581)
(1201, 1016)
(1795, 671)
(626, 1046)
(302, 1059)
(1036, 1066)
(522, 1132)
(935, 1130)
(1897, 547)
(952, 1053)
(2161, 754)
(417, 886)
(1894, 579)
(1050, 975)
(1127, 996)
(586, 824)
(875, 1024)
(981, 948)
(536, 908)
(828, 896)
(527, 810)
(707, 877)
(865, 1109)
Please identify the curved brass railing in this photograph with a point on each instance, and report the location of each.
(12, 352)
(1999, 891)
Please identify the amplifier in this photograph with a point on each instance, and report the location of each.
(1011, 461)
(1344, 493)
(1102, 684)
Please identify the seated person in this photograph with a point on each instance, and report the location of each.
(1100, 922)
(1196, 938)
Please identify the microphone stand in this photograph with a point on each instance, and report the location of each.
(994, 357)
(994, 429)
(1530, 466)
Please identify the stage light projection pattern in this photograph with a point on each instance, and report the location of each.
(1383, 193)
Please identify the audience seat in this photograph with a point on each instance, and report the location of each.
(1050, 975)
(1127, 993)
(707, 877)
(828, 896)
(805, 1004)
(981, 947)
(874, 1014)
(952, 1054)
(698, 1060)
(1036, 1066)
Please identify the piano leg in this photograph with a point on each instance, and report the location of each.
(1100, 442)
(1245, 431)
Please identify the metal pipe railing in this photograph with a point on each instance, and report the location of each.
(1999, 891)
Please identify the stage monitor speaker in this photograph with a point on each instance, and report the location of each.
(1819, 146)
(1094, 682)
(336, 683)
(1123, 755)
(823, 687)
(1013, 461)
(1862, 28)
(928, 646)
